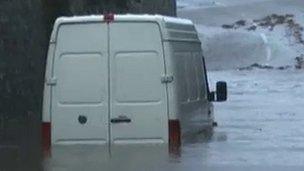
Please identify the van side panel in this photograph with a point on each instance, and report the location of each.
(188, 93)
(80, 97)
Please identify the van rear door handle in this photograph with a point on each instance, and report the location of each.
(51, 82)
(121, 119)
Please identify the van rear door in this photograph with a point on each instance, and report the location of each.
(80, 98)
(138, 111)
(108, 84)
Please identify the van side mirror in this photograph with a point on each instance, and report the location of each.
(220, 95)
(221, 91)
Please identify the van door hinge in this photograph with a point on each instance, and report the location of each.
(51, 81)
(167, 79)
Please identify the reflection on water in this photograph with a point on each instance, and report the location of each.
(90, 157)
(120, 157)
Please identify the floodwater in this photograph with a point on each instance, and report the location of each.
(262, 122)
(260, 126)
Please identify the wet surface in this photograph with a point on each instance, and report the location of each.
(260, 126)
(262, 120)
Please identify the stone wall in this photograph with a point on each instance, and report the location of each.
(23, 42)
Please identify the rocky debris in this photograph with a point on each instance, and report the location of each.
(228, 26)
(273, 20)
(252, 28)
(240, 23)
(294, 29)
(299, 65)
(299, 62)
(260, 66)
(236, 25)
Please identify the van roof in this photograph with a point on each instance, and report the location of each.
(177, 29)
(127, 17)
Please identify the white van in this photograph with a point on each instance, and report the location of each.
(125, 79)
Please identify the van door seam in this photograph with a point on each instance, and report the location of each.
(109, 89)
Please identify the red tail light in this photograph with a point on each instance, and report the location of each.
(46, 138)
(174, 133)
(108, 17)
